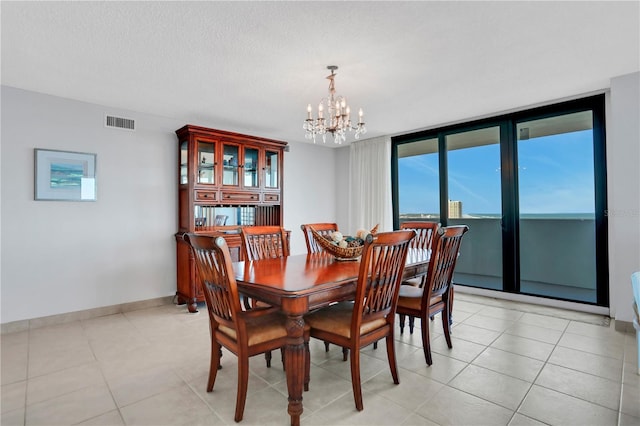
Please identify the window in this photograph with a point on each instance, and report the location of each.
(531, 186)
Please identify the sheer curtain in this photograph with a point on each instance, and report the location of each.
(370, 185)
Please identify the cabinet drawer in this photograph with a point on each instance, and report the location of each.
(206, 196)
(271, 198)
(240, 197)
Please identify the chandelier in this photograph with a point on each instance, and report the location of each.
(338, 119)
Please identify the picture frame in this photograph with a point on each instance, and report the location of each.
(64, 175)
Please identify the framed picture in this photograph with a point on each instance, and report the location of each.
(64, 175)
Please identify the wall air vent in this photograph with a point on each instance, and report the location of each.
(120, 123)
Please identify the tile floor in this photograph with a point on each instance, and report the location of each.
(511, 363)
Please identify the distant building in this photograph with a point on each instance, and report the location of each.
(455, 209)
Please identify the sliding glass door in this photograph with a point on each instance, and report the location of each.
(531, 186)
(557, 221)
(474, 199)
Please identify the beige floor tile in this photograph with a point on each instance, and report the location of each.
(464, 303)
(626, 420)
(474, 334)
(57, 337)
(488, 322)
(453, 407)
(177, 406)
(593, 345)
(443, 369)
(518, 366)
(631, 375)
(369, 366)
(545, 321)
(585, 386)
(264, 407)
(495, 387)
(324, 388)
(223, 396)
(523, 346)
(42, 361)
(61, 382)
(377, 410)
(596, 331)
(462, 350)
(535, 332)
(520, 420)
(416, 420)
(13, 418)
(630, 403)
(112, 418)
(71, 408)
(13, 396)
(555, 408)
(413, 390)
(502, 313)
(142, 384)
(14, 352)
(601, 366)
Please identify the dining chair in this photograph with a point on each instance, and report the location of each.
(423, 240)
(263, 242)
(371, 316)
(244, 333)
(323, 229)
(434, 296)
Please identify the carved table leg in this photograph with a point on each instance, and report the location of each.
(295, 366)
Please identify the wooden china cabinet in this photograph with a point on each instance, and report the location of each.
(225, 180)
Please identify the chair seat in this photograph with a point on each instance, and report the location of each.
(260, 328)
(410, 298)
(336, 319)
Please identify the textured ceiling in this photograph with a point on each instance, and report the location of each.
(254, 66)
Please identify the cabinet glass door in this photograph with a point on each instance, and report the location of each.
(184, 156)
(230, 155)
(206, 162)
(250, 167)
(271, 169)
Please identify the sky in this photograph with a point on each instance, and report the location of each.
(555, 176)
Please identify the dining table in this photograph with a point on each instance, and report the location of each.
(299, 284)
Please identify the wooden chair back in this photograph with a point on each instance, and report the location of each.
(444, 254)
(381, 268)
(264, 242)
(218, 281)
(322, 229)
(424, 233)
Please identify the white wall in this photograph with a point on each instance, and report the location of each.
(67, 256)
(60, 257)
(623, 187)
(309, 182)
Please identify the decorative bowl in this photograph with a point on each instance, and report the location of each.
(341, 253)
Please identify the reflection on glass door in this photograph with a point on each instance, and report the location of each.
(418, 181)
(557, 207)
(474, 192)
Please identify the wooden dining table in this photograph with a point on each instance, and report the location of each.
(300, 284)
